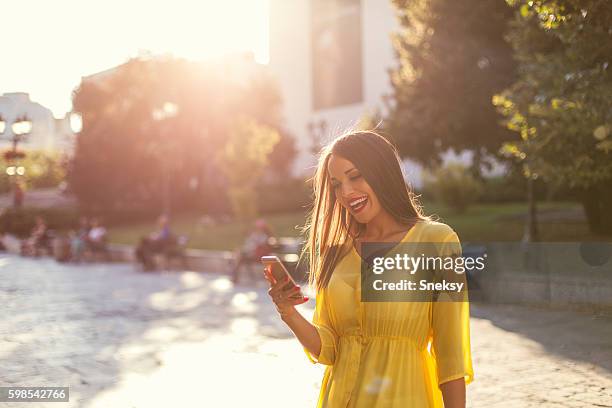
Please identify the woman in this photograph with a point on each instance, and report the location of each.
(378, 354)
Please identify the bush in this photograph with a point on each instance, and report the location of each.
(43, 170)
(512, 188)
(453, 185)
(20, 221)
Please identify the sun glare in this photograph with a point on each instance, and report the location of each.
(67, 39)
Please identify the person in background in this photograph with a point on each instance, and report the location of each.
(156, 242)
(163, 235)
(19, 195)
(96, 237)
(255, 246)
(78, 240)
(39, 239)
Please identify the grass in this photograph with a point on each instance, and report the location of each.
(223, 236)
(560, 221)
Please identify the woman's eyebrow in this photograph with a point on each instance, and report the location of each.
(346, 172)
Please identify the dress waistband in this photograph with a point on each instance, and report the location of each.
(364, 338)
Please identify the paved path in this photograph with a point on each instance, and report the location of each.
(120, 338)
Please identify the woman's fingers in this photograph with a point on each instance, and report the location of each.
(279, 294)
(278, 285)
(291, 301)
(299, 300)
(294, 291)
(268, 278)
(268, 275)
(282, 297)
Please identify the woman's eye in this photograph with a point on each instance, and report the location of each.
(355, 177)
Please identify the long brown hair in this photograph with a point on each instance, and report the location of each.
(331, 228)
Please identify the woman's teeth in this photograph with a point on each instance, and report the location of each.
(358, 204)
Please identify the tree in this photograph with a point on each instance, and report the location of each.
(452, 59)
(243, 160)
(454, 185)
(123, 154)
(561, 103)
(42, 170)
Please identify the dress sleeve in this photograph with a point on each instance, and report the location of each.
(451, 327)
(329, 338)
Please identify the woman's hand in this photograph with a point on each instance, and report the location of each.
(284, 299)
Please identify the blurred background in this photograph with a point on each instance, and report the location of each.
(501, 111)
(175, 135)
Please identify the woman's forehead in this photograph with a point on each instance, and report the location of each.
(337, 165)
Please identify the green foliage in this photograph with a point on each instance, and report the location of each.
(243, 160)
(454, 185)
(511, 188)
(124, 155)
(561, 103)
(283, 196)
(43, 170)
(452, 59)
(20, 221)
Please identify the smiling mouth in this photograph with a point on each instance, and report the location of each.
(358, 204)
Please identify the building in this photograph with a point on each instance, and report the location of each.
(48, 133)
(332, 60)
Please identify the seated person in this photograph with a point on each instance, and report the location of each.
(96, 237)
(78, 240)
(255, 246)
(159, 241)
(40, 238)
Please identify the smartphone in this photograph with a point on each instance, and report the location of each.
(279, 271)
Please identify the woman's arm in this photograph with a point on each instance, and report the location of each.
(305, 331)
(453, 393)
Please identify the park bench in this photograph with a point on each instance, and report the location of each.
(45, 247)
(172, 254)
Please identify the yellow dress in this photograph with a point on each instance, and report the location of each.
(389, 354)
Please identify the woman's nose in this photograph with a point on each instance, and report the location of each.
(347, 190)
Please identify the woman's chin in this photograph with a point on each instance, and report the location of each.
(362, 217)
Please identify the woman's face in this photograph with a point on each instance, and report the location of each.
(352, 190)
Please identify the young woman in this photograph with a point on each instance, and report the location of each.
(378, 354)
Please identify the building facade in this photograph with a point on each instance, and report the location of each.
(332, 59)
(48, 133)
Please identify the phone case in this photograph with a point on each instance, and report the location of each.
(279, 272)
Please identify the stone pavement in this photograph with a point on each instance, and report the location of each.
(122, 338)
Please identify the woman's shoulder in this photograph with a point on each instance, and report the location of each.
(435, 231)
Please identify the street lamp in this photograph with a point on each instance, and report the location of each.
(162, 115)
(21, 127)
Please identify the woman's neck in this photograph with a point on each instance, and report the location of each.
(382, 226)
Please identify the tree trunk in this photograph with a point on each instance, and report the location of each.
(477, 164)
(531, 225)
(597, 204)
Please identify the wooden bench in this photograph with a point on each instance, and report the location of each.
(172, 255)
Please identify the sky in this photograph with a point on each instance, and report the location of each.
(47, 46)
